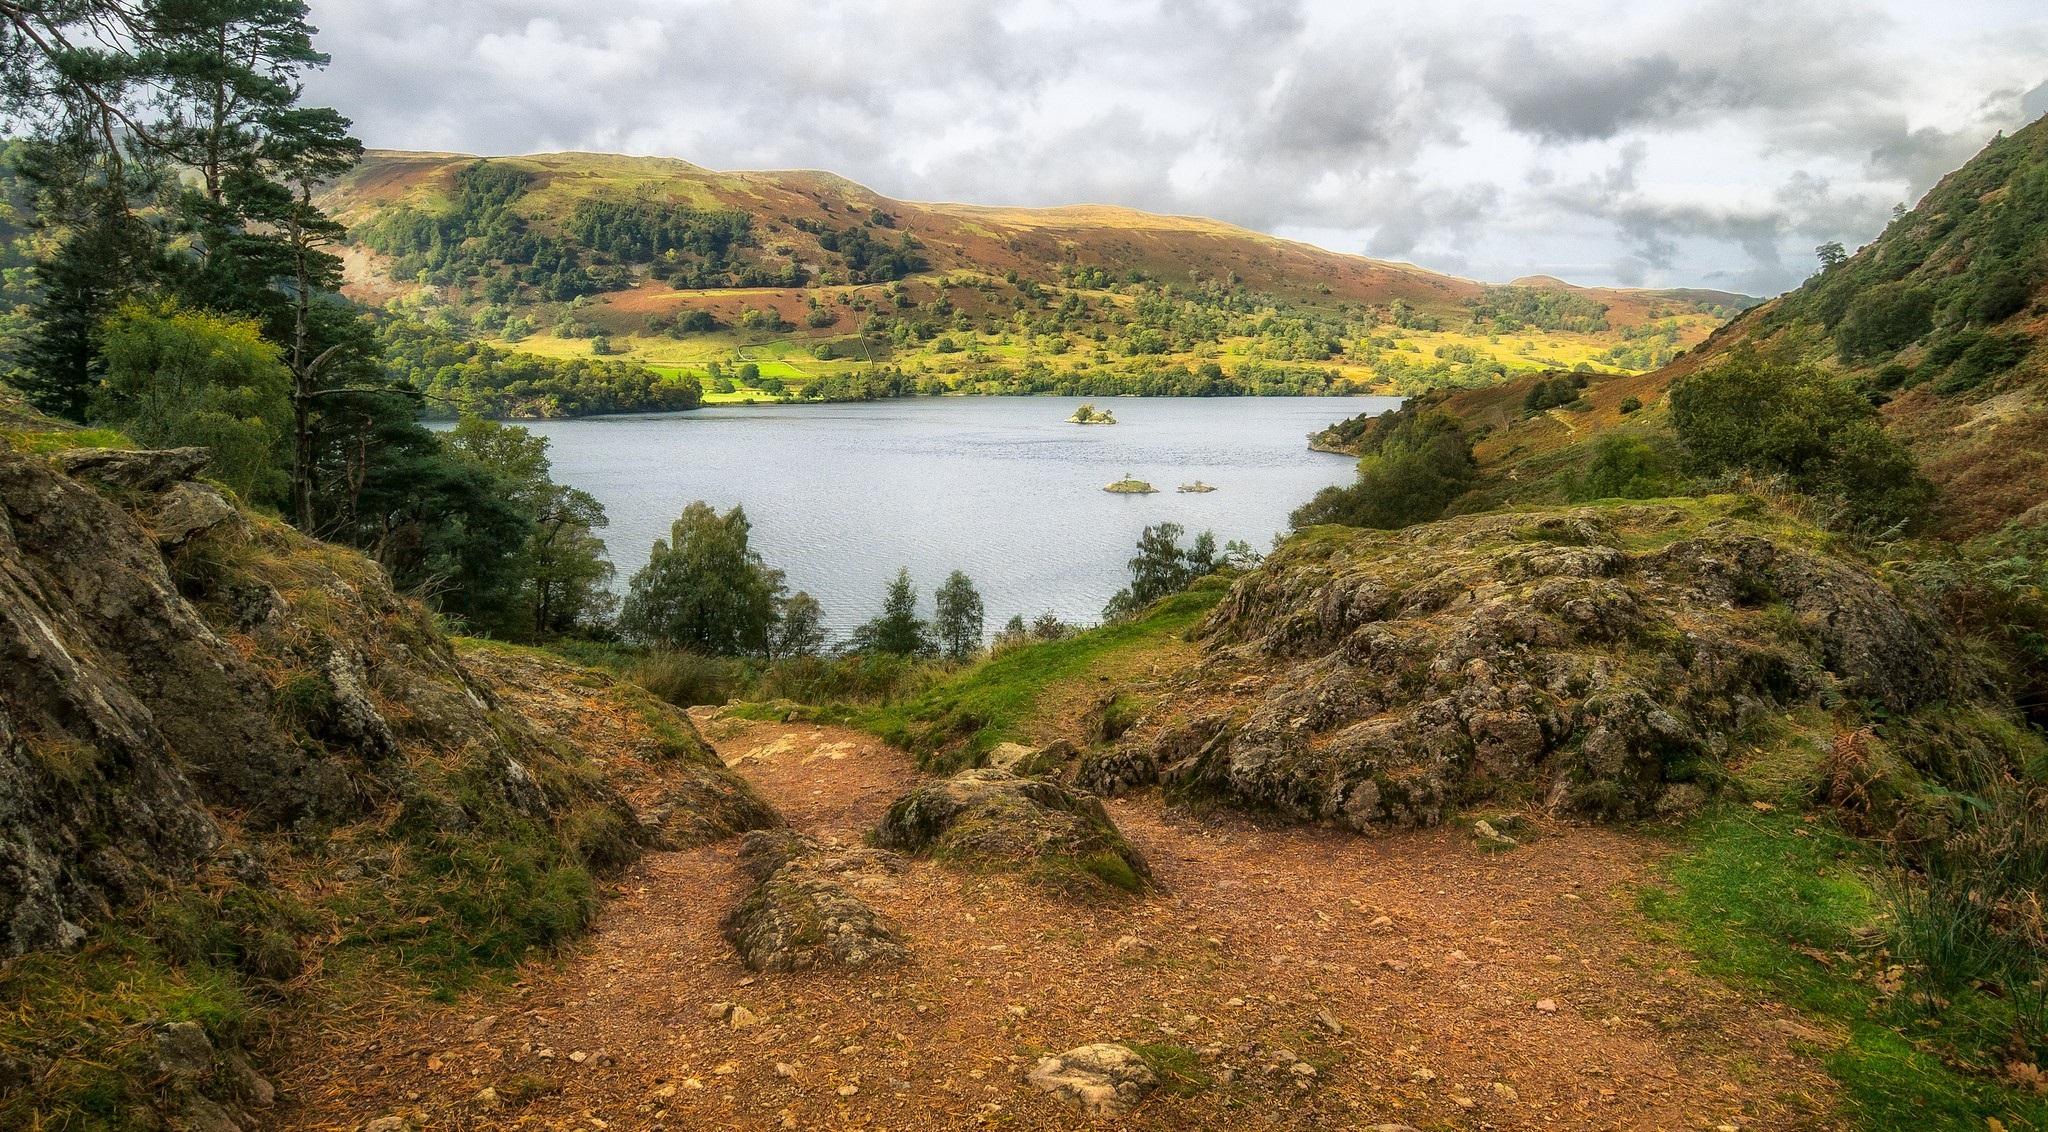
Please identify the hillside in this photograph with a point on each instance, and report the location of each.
(823, 286)
(1941, 321)
(246, 787)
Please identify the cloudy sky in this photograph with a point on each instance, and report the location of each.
(1708, 143)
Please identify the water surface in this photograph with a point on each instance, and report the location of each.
(1001, 487)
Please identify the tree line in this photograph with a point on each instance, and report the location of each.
(185, 289)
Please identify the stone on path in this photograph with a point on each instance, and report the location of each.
(1104, 1078)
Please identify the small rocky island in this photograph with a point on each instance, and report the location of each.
(1197, 488)
(1089, 414)
(1130, 486)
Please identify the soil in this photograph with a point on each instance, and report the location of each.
(1424, 981)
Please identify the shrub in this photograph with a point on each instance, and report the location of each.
(683, 678)
(1624, 467)
(1413, 462)
(1883, 319)
(1630, 405)
(1770, 417)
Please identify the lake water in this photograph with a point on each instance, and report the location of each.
(1000, 487)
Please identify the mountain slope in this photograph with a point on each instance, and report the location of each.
(807, 276)
(1942, 320)
(244, 783)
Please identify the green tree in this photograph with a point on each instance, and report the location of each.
(563, 569)
(1623, 467)
(703, 588)
(800, 631)
(898, 630)
(1162, 568)
(178, 377)
(960, 616)
(1414, 461)
(1770, 416)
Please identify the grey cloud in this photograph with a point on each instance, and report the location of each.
(1358, 121)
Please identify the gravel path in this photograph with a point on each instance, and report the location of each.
(1423, 982)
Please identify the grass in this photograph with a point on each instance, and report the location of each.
(62, 440)
(1783, 906)
(954, 724)
(1178, 1068)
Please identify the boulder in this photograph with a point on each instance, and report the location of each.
(1032, 762)
(183, 1050)
(800, 914)
(136, 470)
(1104, 1079)
(189, 510)
(1596, 657)
(994, 819)
(1117, 770)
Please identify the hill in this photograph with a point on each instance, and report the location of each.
(1941, 321)
(829, 289)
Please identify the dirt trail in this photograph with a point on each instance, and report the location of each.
(1424, 982)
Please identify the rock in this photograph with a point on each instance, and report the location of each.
(1105, 1079)
(1006, 756)
(1116, 770)
(1328, 1022)
(184, 1050)
(800, 914)
(188, 510)
(739, 1019)
(487, 1097)
(1599, 657)
(144, 471)
(992, 818)
(254, 1089)
(1489, 837)
(1032, 762)
(1547, 1005)
(199, 1113)
(386, 1124)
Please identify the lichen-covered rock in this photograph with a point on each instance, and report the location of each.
(1116, 770)
(992, 818)
(1032, 762)
(1104, 1079)
(801, 915)
(136, 470)
(1591, 659)
(165, 658)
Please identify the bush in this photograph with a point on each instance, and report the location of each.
(1414, 461)
(683, 678)
(1770, 417)
(1624, 467)
(1985, 357)
(1630, 405)
(1883, 319)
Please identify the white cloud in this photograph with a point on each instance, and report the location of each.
(1701, 143)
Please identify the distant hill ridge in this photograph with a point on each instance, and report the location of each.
(826, 288)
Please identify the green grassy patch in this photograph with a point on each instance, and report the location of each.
(1783, 906)
(955, 723)
(61, 440)
(1178, 1068)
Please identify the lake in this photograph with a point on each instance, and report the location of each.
(1000, 487)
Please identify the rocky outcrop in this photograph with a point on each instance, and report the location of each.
(1104, 1079)
(1593, 660)
(801, 914)
(991, 818)
(170, 667)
